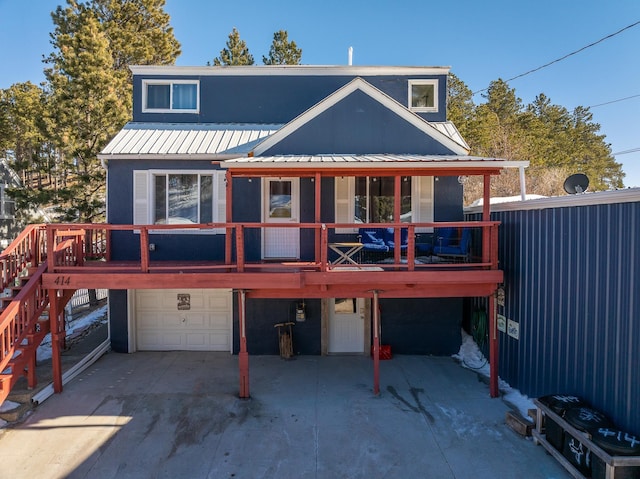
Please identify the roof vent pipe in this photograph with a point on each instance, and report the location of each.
(350, 56)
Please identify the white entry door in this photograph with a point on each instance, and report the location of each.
(281, 204)
(346, 325)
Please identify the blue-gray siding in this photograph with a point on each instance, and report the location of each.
(272, 99)
(358, 125)
(571, 284)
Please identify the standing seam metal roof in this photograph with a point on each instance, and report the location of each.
(169, 139)
(163, 139)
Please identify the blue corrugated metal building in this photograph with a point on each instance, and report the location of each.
(572, 299)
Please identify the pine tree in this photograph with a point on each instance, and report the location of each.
(555, 141)
(283, 51)
(31, 153)
(89, 82)
(88, 108)
(236, 52)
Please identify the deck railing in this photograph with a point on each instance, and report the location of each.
(28, 249)
(78, 244)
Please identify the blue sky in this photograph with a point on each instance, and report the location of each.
(480, 40)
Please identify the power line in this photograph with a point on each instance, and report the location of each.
(632, 150)
(567, 55)
(614, 101)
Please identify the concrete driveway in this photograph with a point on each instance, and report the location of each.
(177, 415)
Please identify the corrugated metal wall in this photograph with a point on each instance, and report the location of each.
(571, 283)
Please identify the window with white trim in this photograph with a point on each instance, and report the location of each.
(371, 200)
(423, 96)
(179, 197)
(170, 96)
(7, 205)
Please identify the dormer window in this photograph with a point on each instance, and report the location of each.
(423, 95)
(170, 96)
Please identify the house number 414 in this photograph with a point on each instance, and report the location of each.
(62, 280)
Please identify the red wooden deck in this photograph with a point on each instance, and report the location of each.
(84, 261)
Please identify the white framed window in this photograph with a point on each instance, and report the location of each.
(170, 96)
(371, 200)
(179, 197)
(7, 205)
(423, 96)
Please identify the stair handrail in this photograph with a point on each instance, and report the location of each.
(19, 318)
(28, 249)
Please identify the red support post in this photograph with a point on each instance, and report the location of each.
(51, 247)
(494, 391)
(243, 355)
(397, 210)
(486, 216)
(240, 248)
(228, 180)
(144, 249)
(411, 248)
(324, 248)
(376, 344)
(317, 216)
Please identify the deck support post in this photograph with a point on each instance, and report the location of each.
(494, 391)
(228, 181)
(56, 321)
(243, 355)
(376, 344)
(317, 215)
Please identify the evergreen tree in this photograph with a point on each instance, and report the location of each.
(283, 51)
(89, 82)
(89, 109)
(460, 105)
(139, 32)
(31, 153)
(556, 142)
(236, 52)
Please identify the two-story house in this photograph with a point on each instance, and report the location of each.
(330, 197)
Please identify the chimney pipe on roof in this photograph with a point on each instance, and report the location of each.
(350, 56)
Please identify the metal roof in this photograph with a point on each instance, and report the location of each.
(372, 161)
(185, 140)
(288, 70)
(449, 129)
(203, 140)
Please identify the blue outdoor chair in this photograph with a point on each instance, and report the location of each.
(448, 247)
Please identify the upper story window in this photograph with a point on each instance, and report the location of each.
(163, 96)
(423, 95)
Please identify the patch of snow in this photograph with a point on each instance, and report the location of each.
(506, 199)
(471, 357)
(99, 315)
(8, 406)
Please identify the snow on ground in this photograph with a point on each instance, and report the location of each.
(471, 357)
(75, 325)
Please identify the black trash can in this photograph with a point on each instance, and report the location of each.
(587, 420)
(558, 403)
(616, 443)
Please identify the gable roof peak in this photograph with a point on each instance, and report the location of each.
(367, 88)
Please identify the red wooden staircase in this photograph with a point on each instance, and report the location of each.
(23, 323)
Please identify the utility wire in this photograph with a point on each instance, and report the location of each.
(632, 150)
(614, 101)
(567, 55)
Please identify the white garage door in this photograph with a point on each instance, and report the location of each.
(184, 320)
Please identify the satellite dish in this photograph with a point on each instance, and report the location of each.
(577, 183)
